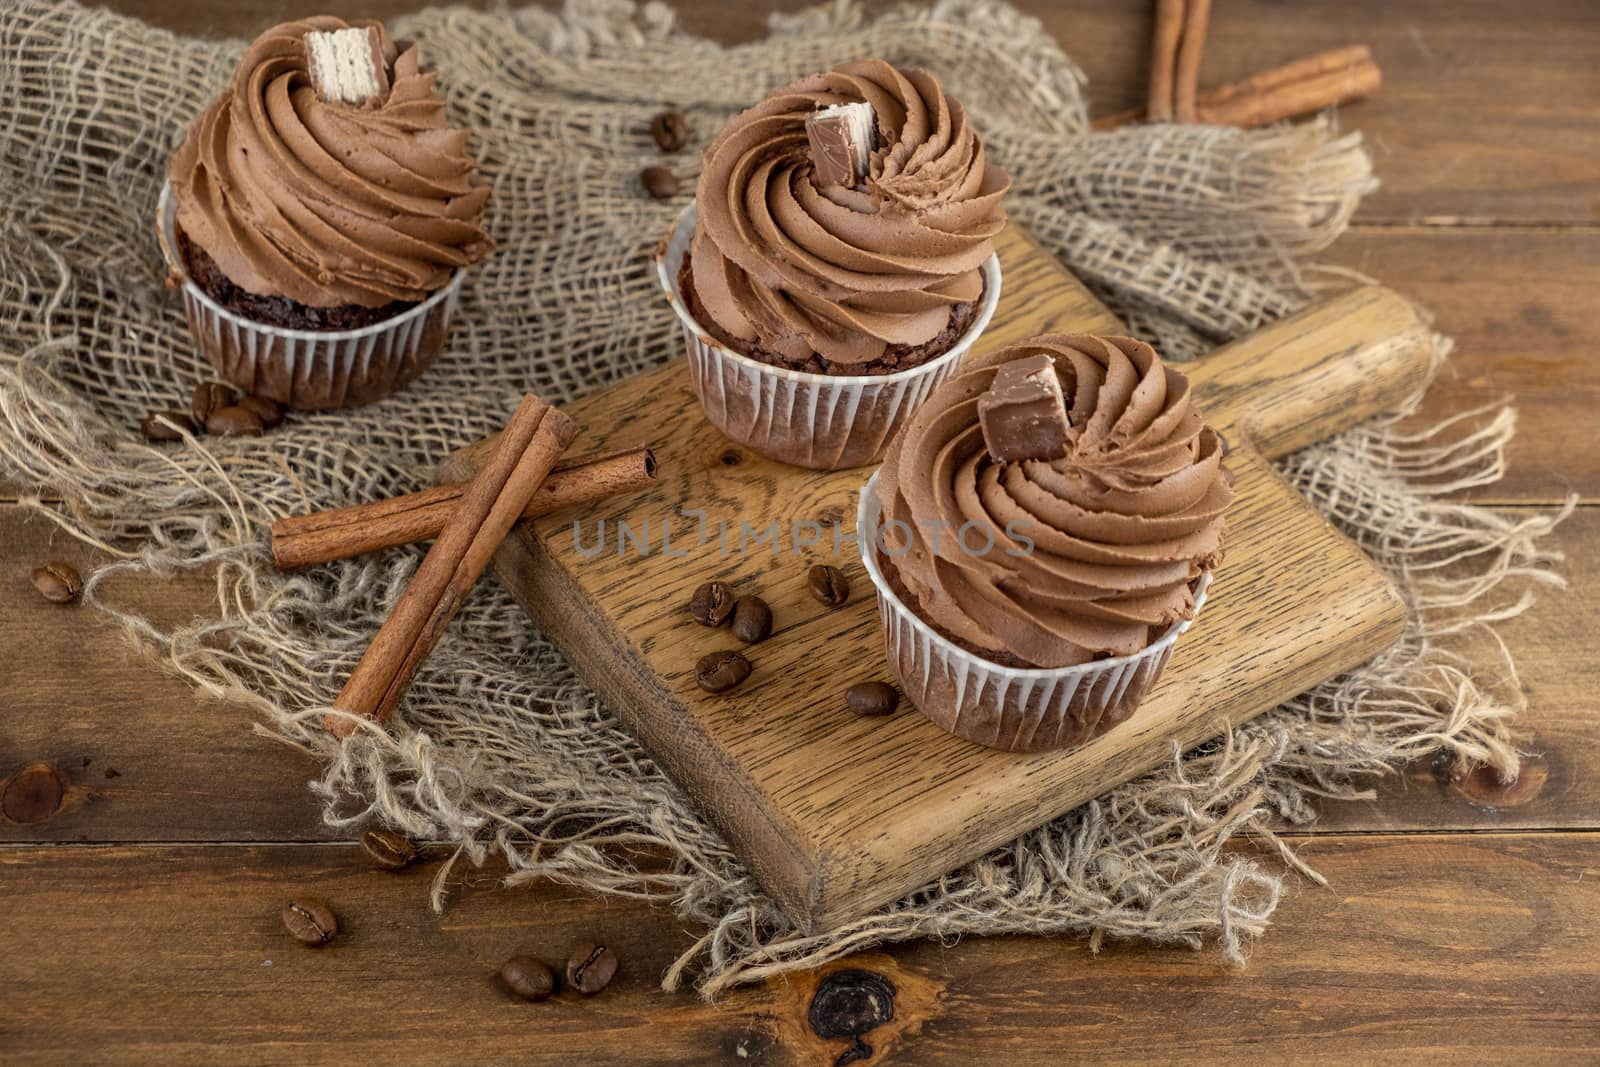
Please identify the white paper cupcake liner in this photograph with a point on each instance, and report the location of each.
(822, 421)
(310, 368)
(1010, 708)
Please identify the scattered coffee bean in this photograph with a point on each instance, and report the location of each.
(208, 397)
(872, 698)
(659, 182)
(712, 603)
(719, 672)
(591, 969)
(310, 921)
(829, 585)
(752, 619)
(670, 131)
(58, 582)
(269, 411)
(234, 422)
(528, 978)
(154, 429)
(388, 850)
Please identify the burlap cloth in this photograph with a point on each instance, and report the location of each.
(1193, 234)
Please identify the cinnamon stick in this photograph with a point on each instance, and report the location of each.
(1164, 58)
(340, 533)
(1186, 81)
(1306, 85)
(1294, 70)
(1297, 97)
(532, 442)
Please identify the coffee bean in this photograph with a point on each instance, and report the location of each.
(154, 429)
(388, 850)
(208, 397)
(528, 978)
(310, 921)
(269, 411)
(752, 619)
(58, 582)
(712, 603)
(829, 585)
(591, 969)
(659, 182)
(670, 131)
(872, 698)
(234, 422)
(719, 672)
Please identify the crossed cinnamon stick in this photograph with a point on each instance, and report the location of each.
(340, 533)
(1298, 88)
(489, 505)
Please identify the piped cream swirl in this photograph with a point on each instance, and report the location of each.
(1119, 527)
(326, 203)
(798, 267)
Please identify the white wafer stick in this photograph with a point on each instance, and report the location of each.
(347, 65)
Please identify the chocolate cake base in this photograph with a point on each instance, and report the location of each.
(895, 357)
(277, 310)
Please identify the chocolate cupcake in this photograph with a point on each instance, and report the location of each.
(319, 215)
(1040, 533)
(837, 263)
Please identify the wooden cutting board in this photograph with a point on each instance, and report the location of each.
(837, 815)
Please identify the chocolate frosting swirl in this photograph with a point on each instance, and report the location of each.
(327, 203)
(796, 266)
(1120, 527)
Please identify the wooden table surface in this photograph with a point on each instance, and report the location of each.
(141, 917)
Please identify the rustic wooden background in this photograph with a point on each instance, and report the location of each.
(140, 916)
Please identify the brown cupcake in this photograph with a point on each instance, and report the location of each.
(1043, 537)
(320, 240)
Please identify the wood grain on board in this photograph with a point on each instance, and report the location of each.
(835, 814)
(176, 954)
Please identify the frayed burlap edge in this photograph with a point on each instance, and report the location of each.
(1192, 234)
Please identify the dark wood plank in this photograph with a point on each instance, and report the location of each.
(189, 769)
(1522, 306)
(1560, 783)
(146, 758)
(1478, 117)
(1423, 947)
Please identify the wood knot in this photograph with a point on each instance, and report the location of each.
(1482, 787)
(848, 1004)
(33, 794)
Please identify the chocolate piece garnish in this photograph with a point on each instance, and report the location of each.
(347, 66)
(842, 139)
(1023, 414)
(933, 210)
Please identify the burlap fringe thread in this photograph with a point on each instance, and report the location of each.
(1192, 234)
